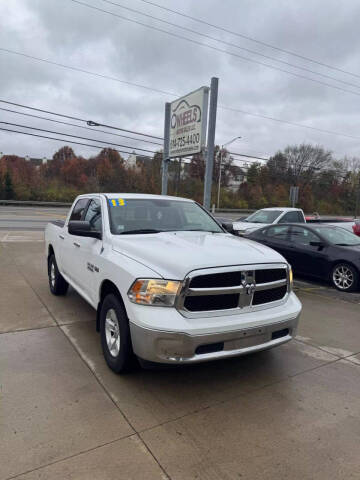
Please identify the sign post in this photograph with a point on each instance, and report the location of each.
(166, 159)
(294, 195)
(211, 142)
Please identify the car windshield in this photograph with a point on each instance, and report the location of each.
(141, 216)
(264, 216)
(338, 236)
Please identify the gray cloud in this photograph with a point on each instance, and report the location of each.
(69, 33)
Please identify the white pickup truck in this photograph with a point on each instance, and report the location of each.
(267, 216)
(169, 284)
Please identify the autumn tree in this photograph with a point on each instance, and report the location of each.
(8, 187)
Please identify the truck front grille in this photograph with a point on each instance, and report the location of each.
(234, 289)
(211, 302)
(271, 295)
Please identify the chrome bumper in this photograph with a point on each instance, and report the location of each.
(173, 347)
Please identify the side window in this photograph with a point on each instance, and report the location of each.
(93, 215)
(79, 208)
(292, 217)
(302, 236)
(278, 232)
(300, 217)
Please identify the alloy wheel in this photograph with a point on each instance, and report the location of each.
(52, 274)
(343, 277)
(112, 332)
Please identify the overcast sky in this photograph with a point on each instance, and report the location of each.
(72, 34)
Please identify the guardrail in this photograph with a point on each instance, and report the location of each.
(234, 210)
(34, 203)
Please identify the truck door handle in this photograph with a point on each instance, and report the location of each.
(77, 244)
(62, 237)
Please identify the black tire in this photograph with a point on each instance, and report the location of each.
(58, 284)
(349, 273)
(121, 357)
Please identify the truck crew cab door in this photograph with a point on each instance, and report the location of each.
(89, 252)
(66, 241)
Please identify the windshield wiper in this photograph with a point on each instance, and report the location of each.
(141, 230)
(199, 230)
(347, 244)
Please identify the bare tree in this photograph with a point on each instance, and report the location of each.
(305, 160)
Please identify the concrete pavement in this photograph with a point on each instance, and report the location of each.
(289, 413)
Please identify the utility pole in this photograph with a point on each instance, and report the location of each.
(210, 142)
(165, 161)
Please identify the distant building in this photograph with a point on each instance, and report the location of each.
(137, 161)
(238, 177)
(36, 161)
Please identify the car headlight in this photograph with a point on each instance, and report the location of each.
(156, 292)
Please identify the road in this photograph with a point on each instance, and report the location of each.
(28, 218)
(289, 413)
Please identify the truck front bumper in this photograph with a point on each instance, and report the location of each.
(181, 348)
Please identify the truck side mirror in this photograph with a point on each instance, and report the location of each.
(82, 228)
(228, 226)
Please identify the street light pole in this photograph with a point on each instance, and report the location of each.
(220, 169)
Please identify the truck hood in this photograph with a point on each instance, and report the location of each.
(248, 225)
(174, 254)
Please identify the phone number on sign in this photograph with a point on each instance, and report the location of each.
(185, 140)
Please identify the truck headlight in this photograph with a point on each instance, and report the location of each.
(160, 293)
(291, 278)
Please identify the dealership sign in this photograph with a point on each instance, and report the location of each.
(188, 121)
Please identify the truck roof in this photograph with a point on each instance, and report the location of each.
(284, 209)
(129, 196)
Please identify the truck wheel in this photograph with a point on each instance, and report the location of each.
(58, 284)
(115, 335)
(345, 277)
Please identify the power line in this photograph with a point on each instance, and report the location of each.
(88, 72)
(78, 126)
(223, 107)
(211, 47)
(248, 156)
(59, 139)
(81, 119)
(251, 39)
(77, 136)
(230, 44)
(330, 132)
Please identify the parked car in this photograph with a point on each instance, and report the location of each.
(267, 216)
(344, 222)
(323, 251)
(356, 228)
(169, 284)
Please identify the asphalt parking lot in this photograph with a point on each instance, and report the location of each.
(289, 413)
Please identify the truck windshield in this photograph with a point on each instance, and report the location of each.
(143, 216)
(263, 216)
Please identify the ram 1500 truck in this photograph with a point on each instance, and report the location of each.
(169, 284)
